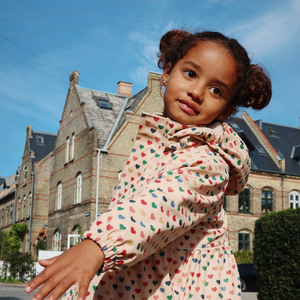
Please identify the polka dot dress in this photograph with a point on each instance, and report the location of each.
(164, 235)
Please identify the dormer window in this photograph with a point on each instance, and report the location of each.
(39, 139)
(103, 103)
(260, 149)
(272, 132)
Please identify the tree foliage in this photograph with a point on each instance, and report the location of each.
(276, 255)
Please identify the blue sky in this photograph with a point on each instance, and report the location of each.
(42, 42)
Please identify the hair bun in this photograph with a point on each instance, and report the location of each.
(260, 87)
(167, 43)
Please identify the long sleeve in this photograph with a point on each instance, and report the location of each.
(167, 189)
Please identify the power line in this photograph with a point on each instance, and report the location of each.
(80, 10)
(32, 67)
(41, 58)
(115, 20)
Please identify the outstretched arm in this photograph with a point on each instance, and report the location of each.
(78, 265)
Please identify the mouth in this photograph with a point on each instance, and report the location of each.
(189, 107)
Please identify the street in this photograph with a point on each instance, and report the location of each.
(16, 292)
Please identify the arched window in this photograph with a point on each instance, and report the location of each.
(57, 241)
(7, 215)
(19, 209)
(244, 201)
(59, 195)
(266, 201)
(2, 217)
(29, 204)
(244, 241)
(73, 146)
(11, 214)
(294, 199)
(79, 188)
(67, 149)
(24, 207)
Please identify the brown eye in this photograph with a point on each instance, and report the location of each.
(216, 91)
(190, 74)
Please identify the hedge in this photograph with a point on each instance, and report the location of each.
(277, 255)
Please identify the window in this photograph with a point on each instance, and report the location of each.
(2, 217)
(11, 214)
(73, 146)
(39, 139)
(25, 170)
(244, 201)
(294, 200)
(57, 241)
(19, 209)
(266, 201)
(73, 239)
(67, 149)
(79, 188)
(7, 215)
(260, 149)
(59, 195)
(272, 132)
(225, 203)
(103, 103)
(244, 241)
(24, 207)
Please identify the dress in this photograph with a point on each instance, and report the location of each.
(164, 234)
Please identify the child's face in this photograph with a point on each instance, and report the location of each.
(200, 85)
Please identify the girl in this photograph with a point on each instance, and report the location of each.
(164, 235)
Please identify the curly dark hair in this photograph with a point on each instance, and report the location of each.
(253, 88)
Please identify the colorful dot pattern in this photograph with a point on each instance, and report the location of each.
(164, 234)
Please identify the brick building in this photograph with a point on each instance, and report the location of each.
(96, 134)
(32, 186)
(7, 201)
(274, 181)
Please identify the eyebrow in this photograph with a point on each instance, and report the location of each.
(218, 82)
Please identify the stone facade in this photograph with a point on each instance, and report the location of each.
(103, 141)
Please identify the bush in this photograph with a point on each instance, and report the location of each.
(244, 257)
(276, 255)
(41, 245)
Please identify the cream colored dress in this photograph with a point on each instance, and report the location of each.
(164, 235)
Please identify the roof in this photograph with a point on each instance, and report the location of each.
(284, 140)
(259, 161)
(8, 187)
(41, 143)
(101, 118)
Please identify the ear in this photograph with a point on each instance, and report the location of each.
(165, 75)
(226, 113)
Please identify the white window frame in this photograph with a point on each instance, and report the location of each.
(294, 202)
(73, 146)
(59, 195)
(57, 241)
(67, 149)
(79, 188)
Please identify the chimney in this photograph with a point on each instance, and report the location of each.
(74, 77)
(124, 88)
(29, 130)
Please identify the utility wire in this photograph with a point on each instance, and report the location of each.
(80, 10)
(115, 20)
(42, 59)
(32, 67)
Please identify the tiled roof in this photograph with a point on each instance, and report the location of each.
(283, 139)
(259, 161)
(101, 118)
(41, 143)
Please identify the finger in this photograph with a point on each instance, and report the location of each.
(83, 289)
(37, 281)
(47, 262)
(49, 286)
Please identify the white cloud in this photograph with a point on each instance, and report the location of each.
(271, 31)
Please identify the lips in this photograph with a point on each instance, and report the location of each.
(189, 107)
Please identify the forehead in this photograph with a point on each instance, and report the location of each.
(210, 50)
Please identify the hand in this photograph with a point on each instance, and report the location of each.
(78, 265)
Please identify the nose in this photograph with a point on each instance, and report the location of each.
(196, 91)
